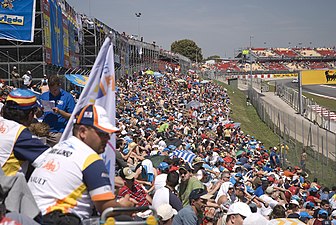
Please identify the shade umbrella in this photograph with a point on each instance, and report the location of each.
(205, 81)
(193, 104)
(150, 72)
(158, 74)
(173, 141)
(285, 221)
(181, 81)
(239, 152)
(157, 159)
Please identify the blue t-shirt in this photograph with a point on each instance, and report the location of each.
(259, 191)
(63, 101)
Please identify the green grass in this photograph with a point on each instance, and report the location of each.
(317, 165)
(249, 119)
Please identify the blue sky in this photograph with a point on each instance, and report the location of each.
(220, 27)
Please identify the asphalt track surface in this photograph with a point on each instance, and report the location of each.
(321, 90)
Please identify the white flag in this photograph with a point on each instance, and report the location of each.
(100, 90)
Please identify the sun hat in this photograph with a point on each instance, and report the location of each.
(95, 116)
(239, 208)
(25, 99)
(166, 211)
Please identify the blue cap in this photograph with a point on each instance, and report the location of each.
(239, 175)
(305, 215)
(322, 211)
(166, 150)
(163, 166)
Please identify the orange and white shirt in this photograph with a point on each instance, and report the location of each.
(70, 178)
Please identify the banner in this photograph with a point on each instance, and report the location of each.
(47, 31)
(100, 90)
(56, 31)
(311, 77)
(17, 20)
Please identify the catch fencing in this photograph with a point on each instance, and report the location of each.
(297, 133)
(311, 110)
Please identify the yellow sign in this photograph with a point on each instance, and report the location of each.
(318, 77)
(245, 52)
(285, 75)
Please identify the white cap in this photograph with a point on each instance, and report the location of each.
(166, 211)
(239, 208)
(14, 67)
(293, 201)
(28, 72)
(269, 190)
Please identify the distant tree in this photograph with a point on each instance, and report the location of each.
(187, 48)
(212, 57)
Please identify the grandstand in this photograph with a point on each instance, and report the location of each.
(280, 60)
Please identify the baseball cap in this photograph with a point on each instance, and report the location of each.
(24, 99)
(294, 202)
(185, 167)
(308, 205)
(269, 190)
(95, 116)
(127, 173)
(199, 193)
(163, 166)
(322, 211)
(166, 211)
(305, 215)
(239, 208)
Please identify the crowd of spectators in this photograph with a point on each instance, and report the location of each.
(179, 150)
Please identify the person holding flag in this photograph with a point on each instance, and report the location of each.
(100, 90)
(72, 176)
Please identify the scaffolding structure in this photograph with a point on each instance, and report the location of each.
(130, 55)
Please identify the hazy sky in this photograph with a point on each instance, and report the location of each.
(220, 26)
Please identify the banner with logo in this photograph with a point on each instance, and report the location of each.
(56, 32)
(17, 20)
(100, 90)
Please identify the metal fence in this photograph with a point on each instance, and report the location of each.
(299, 133)
(311, 110)
(295, 131)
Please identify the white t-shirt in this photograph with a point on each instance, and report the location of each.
(161, 196)
(271, 203)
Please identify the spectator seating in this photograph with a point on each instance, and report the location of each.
(326, 51)
(285, 52)
(307, 52)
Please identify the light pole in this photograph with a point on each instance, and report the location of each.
(138, 15)
(250, 53)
